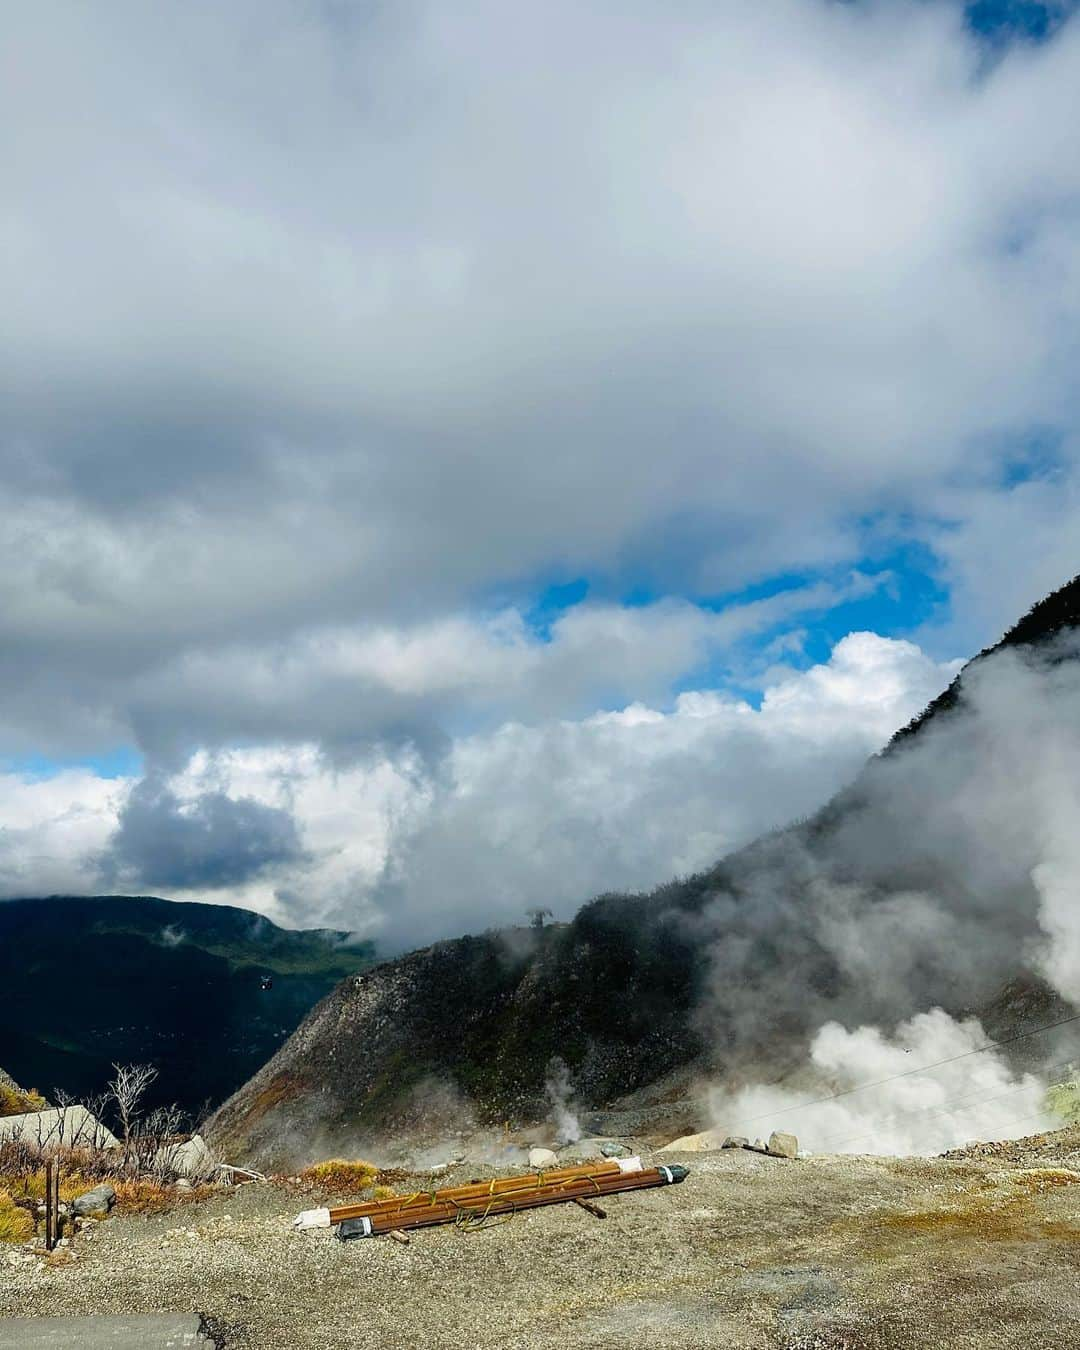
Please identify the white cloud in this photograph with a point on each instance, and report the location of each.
(334, 316)
(52, 827)
(542, 813)
(325, 325)
(554, 813)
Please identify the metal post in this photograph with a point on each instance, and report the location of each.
(50, 1213)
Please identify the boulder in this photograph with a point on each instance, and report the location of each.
(783, 1145)
(542, 1157)
(588, 1150)
(98, 1201)
(191, 1158)
(735, 1141)
(704, 1142)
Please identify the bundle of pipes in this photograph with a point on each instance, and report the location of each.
(473, 1204)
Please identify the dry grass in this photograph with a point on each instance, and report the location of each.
(342, 1175)
(14, 1103)
(22, 1174)
(72, 1184)
(22, 1167)
(16, 1223)
(144, 1195)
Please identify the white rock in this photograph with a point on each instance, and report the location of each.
(783, 1145)
(542, 1157)
(704, 1142)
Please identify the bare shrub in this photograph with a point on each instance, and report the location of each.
(156, 1143)
(126, 1091)
(141, 1170)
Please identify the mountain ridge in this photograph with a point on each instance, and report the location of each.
(93, 980)
(715, 973)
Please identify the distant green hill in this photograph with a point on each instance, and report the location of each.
(85, 982)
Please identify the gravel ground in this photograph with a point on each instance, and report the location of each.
(750, 1252)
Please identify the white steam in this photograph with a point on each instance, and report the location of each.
(949, 869)
(559, 1092)
(917, 1110)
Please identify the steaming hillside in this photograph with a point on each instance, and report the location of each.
(943, 877)
(90, 981)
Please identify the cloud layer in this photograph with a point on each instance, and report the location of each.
(546, 813)
(329, 316)
(335, 334)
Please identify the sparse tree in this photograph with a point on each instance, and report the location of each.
(537, 916)
(97, 1106)
(127, 1090)
(157, 1140)
(63, 1102)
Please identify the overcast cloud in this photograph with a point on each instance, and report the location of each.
(334, 333)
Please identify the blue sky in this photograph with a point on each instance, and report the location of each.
(1009, 20)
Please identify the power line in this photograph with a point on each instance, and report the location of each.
(910, 1073)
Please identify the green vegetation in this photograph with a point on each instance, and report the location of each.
(1063, 1101)
(134, 978)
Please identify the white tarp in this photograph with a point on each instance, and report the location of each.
(67, 1127)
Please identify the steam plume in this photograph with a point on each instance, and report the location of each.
(948, 867)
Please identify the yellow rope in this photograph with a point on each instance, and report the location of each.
(473, 1221)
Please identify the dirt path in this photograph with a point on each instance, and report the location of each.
(750, 1252)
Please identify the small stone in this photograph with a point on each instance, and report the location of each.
(542, 1157)
(98, 1201)
(613, 1150)
(783, 1145)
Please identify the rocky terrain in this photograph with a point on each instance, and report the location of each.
(976, 1251)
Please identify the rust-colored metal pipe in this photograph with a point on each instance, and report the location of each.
(474, 1191)
(473, 1213)
(481, 1190)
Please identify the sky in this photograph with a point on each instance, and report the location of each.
(461, 459)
